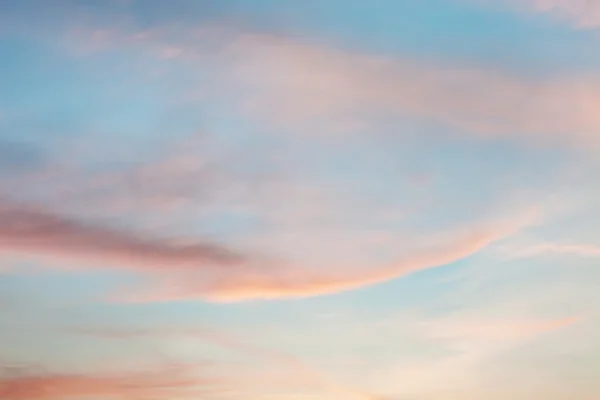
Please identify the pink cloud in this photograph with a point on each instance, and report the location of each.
(313, 87)
(36, 234)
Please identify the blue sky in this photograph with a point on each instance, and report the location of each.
(323, 200)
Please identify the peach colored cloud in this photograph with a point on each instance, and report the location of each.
(290, 82)
(32, 233)
(290, 282)
(165, 383)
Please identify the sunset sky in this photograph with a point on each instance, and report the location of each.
(299, 199)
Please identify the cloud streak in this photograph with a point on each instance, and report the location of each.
(290, 283)
(208, 271)
(32, 233)
(492, 330)
(163, 383)
(552, 249)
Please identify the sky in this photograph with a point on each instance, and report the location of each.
(299, 200)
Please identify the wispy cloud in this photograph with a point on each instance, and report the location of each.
(583, 14)
(206, 270)
(289, 82)
(33, 233)
(292, 282)
(306, 180)
(491, 330)
(473, 343)
(162, 383)
(313, 87)
(177, 175)
(293, 369)
(552, 249)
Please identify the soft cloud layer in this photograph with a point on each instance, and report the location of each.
(460, 347)
(275, 365)
(371, 352)
(176, 176)
(313, 87)
(288, 82)
(473, 347)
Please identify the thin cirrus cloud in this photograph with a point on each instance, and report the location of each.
(554, 249)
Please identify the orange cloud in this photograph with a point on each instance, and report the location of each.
(165, 383)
